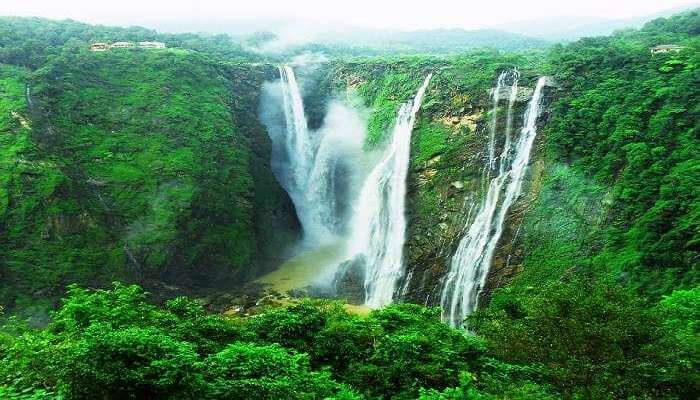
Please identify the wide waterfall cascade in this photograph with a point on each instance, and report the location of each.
(379, 223)
(299, 144)
(313, 164)
(471, 262)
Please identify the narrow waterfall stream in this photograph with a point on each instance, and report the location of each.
(496, 95)
(471, 262)
(379, 224)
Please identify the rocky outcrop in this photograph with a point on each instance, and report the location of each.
(349, 280)
(451, 186)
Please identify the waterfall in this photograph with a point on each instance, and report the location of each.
(509, 122)
(379, 223)
(28, 95)
(496, 94)
(310, 166)
(299, 144)
(471, 262)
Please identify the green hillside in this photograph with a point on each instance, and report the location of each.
(136, 165)
(152, 168)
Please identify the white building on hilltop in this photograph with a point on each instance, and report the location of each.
(152, 45)
(122, 45)
(99, 46)
(665, 48)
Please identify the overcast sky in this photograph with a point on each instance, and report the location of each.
(406, 14)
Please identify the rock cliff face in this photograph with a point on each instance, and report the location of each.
(448, 155)
(447, 186)
(274, 223)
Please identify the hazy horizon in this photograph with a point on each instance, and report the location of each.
(303, 17)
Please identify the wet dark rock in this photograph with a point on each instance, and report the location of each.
(350, 280)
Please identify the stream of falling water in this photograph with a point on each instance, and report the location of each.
(379, 223)
(471, 262)
(311, 164)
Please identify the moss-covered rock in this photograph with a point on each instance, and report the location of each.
(146, 166)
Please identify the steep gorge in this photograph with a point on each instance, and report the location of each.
(548, 196)
(156, 168)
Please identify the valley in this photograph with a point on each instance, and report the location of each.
(315, 223)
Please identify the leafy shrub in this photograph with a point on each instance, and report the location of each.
(246, 371)
(592, 338)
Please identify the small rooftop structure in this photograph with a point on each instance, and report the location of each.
(122, 45)
(99, 46)
(665, 48)
(152, 45)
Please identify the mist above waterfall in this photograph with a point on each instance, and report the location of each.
(338, 162)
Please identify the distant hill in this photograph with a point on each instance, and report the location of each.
(456, 40)
(376, 42)
(290, 35)
(569, 28)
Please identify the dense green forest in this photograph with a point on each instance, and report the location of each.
(127, 167)
(151, 167)
(113, 344)
(629, 122)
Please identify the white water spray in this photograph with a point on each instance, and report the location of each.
(379, 223)
(300, 151)
(471, 262)
(316, 172)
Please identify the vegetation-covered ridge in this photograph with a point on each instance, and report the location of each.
(137, 165)
(627, 124)
(152, 167)
(31, 42)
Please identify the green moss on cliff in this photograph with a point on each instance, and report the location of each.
(627, 127)
(13, 136)
(146, 167)
(432, 141)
